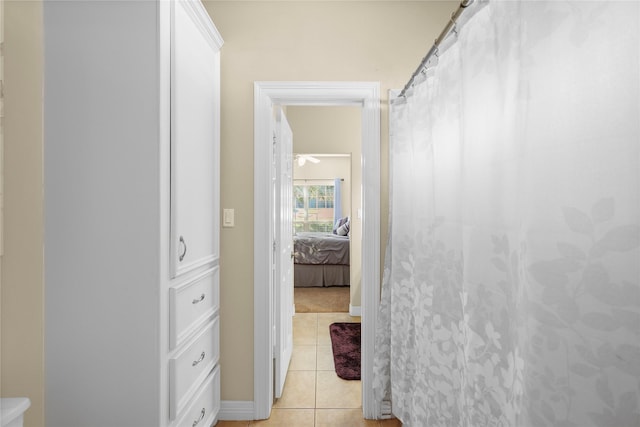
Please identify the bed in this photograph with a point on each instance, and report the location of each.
(320, 260)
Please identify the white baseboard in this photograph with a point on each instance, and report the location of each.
(236, 410)
(355, 311)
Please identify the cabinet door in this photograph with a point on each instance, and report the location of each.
(195, 138)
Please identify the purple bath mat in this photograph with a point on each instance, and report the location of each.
(345, 341)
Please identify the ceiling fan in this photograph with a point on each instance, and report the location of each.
(301, 159)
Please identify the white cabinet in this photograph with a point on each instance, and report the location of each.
(194, 244)
(195, 133)
(131, 162)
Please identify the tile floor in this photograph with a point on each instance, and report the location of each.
(314, 396)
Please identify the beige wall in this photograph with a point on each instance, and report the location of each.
(336, 130)
(275, 40)
(22, 263)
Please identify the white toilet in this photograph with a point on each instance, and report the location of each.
(12, 411)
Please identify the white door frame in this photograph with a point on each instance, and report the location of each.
(267, 94)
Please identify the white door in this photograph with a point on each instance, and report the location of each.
(283, 256)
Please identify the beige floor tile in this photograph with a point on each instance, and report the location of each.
(313, 393)
(303, 358)
(299, 390)
(288, 418)
(232, 424)
(394, 422)
(324, 358)
(326, 319)
(342, 418)
(305, 328)
(305, 318)
(334, 392)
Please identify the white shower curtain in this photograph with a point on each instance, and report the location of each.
(511, 290)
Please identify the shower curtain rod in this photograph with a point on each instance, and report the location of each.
(434, 49)
(317, 179)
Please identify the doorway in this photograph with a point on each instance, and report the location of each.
(266, 95)
(327, 180)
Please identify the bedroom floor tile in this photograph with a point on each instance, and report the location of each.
(299, 391)
(314, 396)
(303, 358)
(324, 359)
(288, 418)
(306, 318)
(342, 418)
(335, 393)
(305, 327)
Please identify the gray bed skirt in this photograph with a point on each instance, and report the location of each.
(320, 275)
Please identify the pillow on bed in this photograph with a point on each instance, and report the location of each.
(339, 223)
(343, 230)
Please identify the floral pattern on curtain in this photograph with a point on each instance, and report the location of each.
(511, 289)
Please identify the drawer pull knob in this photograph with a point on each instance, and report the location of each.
(195, 423)
(195, 362)
(184, 252)
(198, 300)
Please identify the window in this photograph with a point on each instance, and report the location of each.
(313, 205)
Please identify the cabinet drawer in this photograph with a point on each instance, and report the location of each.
(191, 304)
(190, 366)
(203, 409)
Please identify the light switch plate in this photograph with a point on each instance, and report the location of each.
(228, 217)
